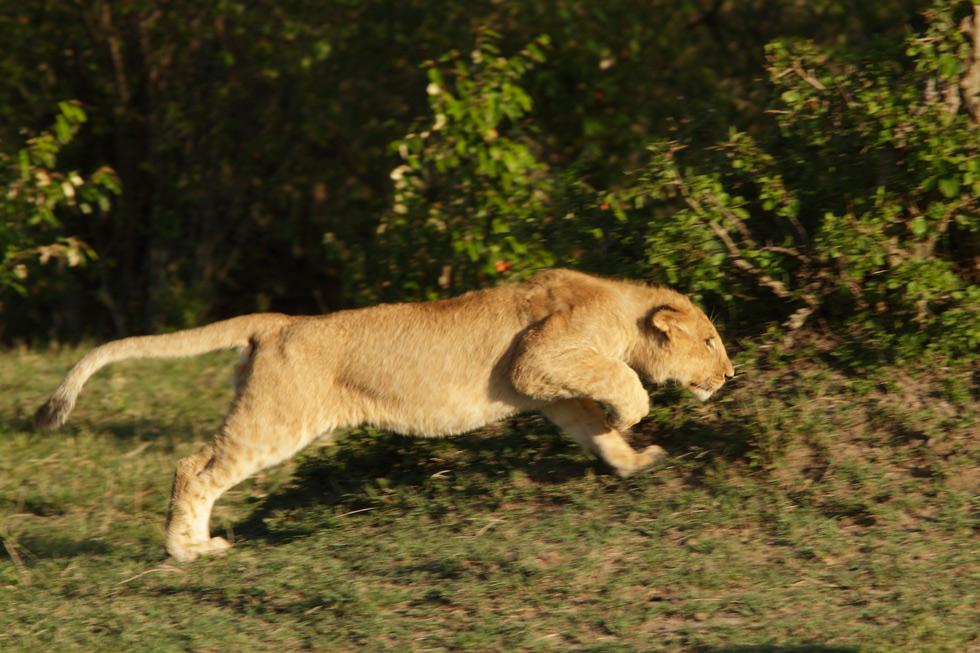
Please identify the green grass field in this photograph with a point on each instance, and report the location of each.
(809, 507)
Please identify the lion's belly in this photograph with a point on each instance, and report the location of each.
(433, 410)
(449, 418)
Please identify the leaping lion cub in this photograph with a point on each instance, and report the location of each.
(563, 343)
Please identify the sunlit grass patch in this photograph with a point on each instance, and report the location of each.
(797, 511)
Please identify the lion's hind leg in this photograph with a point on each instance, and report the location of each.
(243, 446)
(585, 421)
(196, 487)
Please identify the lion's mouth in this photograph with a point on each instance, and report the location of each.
(705, 388)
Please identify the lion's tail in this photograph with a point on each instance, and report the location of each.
(235, 333)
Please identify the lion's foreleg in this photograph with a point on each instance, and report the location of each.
(585, 421)
(548, 374)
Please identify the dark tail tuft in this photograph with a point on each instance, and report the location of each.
(52, 414)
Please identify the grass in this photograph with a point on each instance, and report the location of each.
(807, 508)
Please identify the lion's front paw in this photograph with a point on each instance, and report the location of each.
(649, 456)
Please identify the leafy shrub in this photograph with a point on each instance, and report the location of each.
(861, 207)
(471, 198)
(473, 202)
(34, 192)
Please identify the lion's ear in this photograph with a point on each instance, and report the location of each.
(667, 319)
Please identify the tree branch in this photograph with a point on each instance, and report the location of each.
(777, 287)
(808, 78)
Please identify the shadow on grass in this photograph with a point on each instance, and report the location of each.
(367, 470)
(62, 547)
(775, 648)
(17, 423)
(371, 470)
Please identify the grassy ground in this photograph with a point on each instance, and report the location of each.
(811, 507)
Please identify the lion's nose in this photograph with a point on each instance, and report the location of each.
(730, 372)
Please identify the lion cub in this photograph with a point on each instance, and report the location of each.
(564, 343)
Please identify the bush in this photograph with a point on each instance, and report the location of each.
(35, 192)
(861, 207)
(471, 200)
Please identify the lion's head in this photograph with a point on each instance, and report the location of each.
(681, 344)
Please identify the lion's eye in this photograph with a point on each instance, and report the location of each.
(711, 343)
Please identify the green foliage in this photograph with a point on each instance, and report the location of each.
(859, 207)
(35, 193)
(470, 194)
(862, 207)
(472, 200)
(243, 132)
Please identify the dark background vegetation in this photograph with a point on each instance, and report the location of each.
(167, 164)
(806, 169)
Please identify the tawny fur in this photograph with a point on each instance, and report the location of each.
(564, 343)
